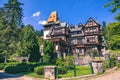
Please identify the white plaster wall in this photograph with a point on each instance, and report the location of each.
(45, 34)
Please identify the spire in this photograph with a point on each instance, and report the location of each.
(53, 17)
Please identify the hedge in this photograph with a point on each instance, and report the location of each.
(14, 68)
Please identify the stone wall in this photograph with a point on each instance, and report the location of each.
(84, 60)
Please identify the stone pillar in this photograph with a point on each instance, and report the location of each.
(97, 67)
(49, 72)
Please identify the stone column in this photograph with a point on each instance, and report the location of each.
(49, 72)
(97, 66)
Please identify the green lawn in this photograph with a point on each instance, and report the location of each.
(80, 70)
(35, 75)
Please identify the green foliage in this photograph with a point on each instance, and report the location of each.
(114, 52)
(60, 62)
(80, 70)
(113, 60)
(14, 68)
(46, 58)
(2, 65)
(48, 51)
(62, 69)
(113, 36)
(48, 47)
(10, 19)
(65, 64)
(118, 65)
(39, 70)
(68, 61)
(115, 4)
(15, 38)
(106, 65)
(28, 44)
(104, 28)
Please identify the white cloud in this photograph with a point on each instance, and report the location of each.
(36, 14)
(42, 22)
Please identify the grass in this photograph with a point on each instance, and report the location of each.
(35, 75)
(80, 70)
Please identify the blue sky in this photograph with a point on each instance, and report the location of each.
(36, 12)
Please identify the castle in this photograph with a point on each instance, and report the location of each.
(77, 40)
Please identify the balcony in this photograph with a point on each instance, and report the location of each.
(58, 33)
(91, 42)
(76, 35)
(92, 33)
(76, 42)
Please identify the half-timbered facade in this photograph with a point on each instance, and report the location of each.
(73, 39)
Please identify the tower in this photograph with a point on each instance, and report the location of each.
(53, 18)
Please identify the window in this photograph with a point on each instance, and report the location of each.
(79, 32)
(80, 40)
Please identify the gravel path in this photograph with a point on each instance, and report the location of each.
(113, 75)
(5, 76)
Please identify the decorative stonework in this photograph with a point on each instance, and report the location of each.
(49, 72)
(97, 66)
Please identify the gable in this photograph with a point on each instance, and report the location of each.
(91, 22)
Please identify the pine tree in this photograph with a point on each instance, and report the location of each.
(104, 28)
(10, 20)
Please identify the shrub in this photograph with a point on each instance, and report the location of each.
(12, 64)
(60, 62)
(46, 58)
(69, 61)
(15, 69)
(20, 67)
(62, 69)
(2, 65)
(106, 65)
(113, 60)
(118, 65)
(39, 70)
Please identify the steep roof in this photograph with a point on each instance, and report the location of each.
(53, 17)
(91, 22)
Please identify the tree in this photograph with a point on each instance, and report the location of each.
(10, 19)
(113, 36)
(39, 32)
(115, 4)
(48, 51)
(28, 44)
(104, 28)
(15, 14)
